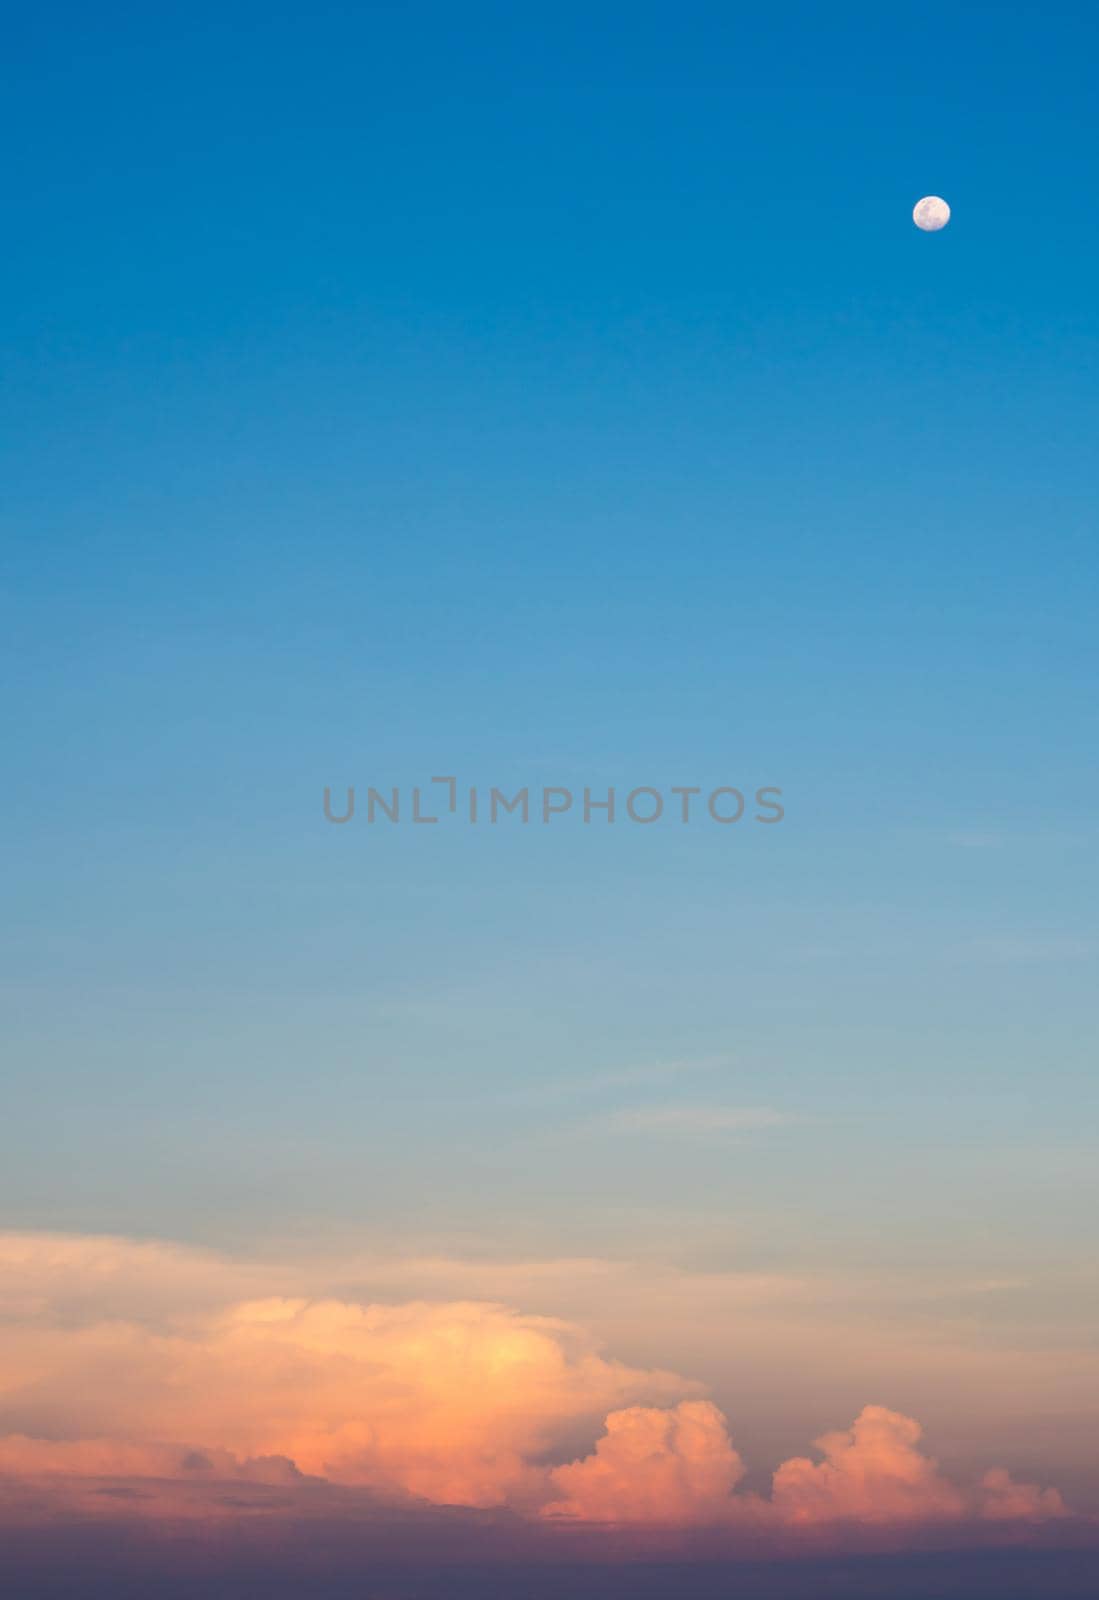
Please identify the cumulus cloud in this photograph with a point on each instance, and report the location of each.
(453, 1401)
(678, 1466)
(673, 1465)
(872, 1472)
(1001, 1499)
(135, 1376)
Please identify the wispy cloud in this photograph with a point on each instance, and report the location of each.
(693, 1120)
(633, 1076)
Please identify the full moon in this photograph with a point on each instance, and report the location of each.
(931, 213)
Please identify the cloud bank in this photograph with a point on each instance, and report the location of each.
(146, 1380)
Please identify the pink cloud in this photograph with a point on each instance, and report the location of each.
(676, 1465)
(144, 1366)
(872, 1472)
(1001, 1499)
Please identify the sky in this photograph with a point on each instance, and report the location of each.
(560, 399)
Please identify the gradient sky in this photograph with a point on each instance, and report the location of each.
(564, 396)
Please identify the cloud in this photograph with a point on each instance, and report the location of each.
(21, 1456)
(872, 1472)
(678, 1466)
(600, 1082)
(138, 1378)
(451, 1401)
(1001, 1499)
(675, 1465)
(691, 1120)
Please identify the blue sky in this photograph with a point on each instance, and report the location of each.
(551, 397)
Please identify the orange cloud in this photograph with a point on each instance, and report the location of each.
(652, 1466)
(144, 1365)
(452, 1402)
(678, 1467)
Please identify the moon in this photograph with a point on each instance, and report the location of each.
(930, 214)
